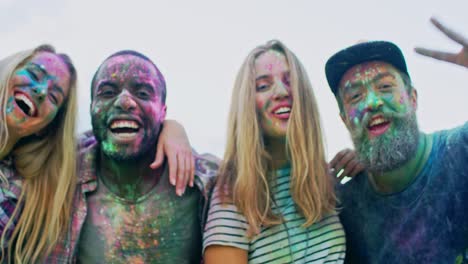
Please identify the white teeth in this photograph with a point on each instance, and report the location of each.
(124, 124)
(28, 102)
(126, 135)
(377, 121)
(283, 110)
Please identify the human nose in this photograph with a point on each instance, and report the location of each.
(373, 101)
(39, 91)
(125, 101)
(280, 89)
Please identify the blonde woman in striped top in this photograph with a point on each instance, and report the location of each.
(274, 200)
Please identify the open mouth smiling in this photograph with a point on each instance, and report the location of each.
(25, 104)
(282, 112)
(378, 125)
(124, 127)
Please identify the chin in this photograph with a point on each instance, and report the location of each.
(124, 156)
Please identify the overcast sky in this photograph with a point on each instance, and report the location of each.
(199, 46)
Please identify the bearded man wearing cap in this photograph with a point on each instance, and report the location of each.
(411, 205)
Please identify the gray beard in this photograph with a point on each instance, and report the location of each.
(388, 151)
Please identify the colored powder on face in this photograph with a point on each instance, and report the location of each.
(353, 113)
(392, 104)
(401, 100)
(356, 121)
(9, 108)
(109, 147)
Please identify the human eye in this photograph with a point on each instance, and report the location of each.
(35, 72)
(262, 84)
(261, 87)
(143, 94)
(34, 75)
(354, 97)
(143, 91)
(53, 98)
(106, 91)
(385, 86)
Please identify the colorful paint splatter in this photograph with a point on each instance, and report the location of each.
(158, 227)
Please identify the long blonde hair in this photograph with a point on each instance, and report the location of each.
(47, 165)
(243, 177)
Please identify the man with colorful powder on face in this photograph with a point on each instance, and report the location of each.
(129, 213)
(410, 207)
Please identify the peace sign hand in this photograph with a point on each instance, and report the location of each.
(460, 58)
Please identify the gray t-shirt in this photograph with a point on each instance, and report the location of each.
(159, 227)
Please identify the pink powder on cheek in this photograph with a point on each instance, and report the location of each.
(260, 104)
(401, 100)
(403, 97)
(353, 113)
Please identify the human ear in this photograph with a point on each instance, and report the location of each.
(414, 98)
(163, 113)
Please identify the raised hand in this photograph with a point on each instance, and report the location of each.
(460, 58)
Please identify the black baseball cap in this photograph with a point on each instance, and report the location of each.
(345, 59)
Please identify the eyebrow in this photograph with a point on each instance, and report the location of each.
(378, 77)
(101, 83)
(261, 77)
(147, 84)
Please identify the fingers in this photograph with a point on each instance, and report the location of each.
(345, 180)
(349, 167)
(449, 32)
(346, 165)
(181, 175)
(341, 162)
(158, 161)
(192, 170)
(172, 163)
(459, 58)
(186, 172)
(181, 171)
(338, 157)
(358, 168)
(439, 55)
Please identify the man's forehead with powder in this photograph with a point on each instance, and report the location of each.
(121, 68)
(367, 73)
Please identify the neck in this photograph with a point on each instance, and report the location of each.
(277, 150)
(128, 179)
(398, 179)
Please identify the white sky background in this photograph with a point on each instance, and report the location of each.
(199, 46)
